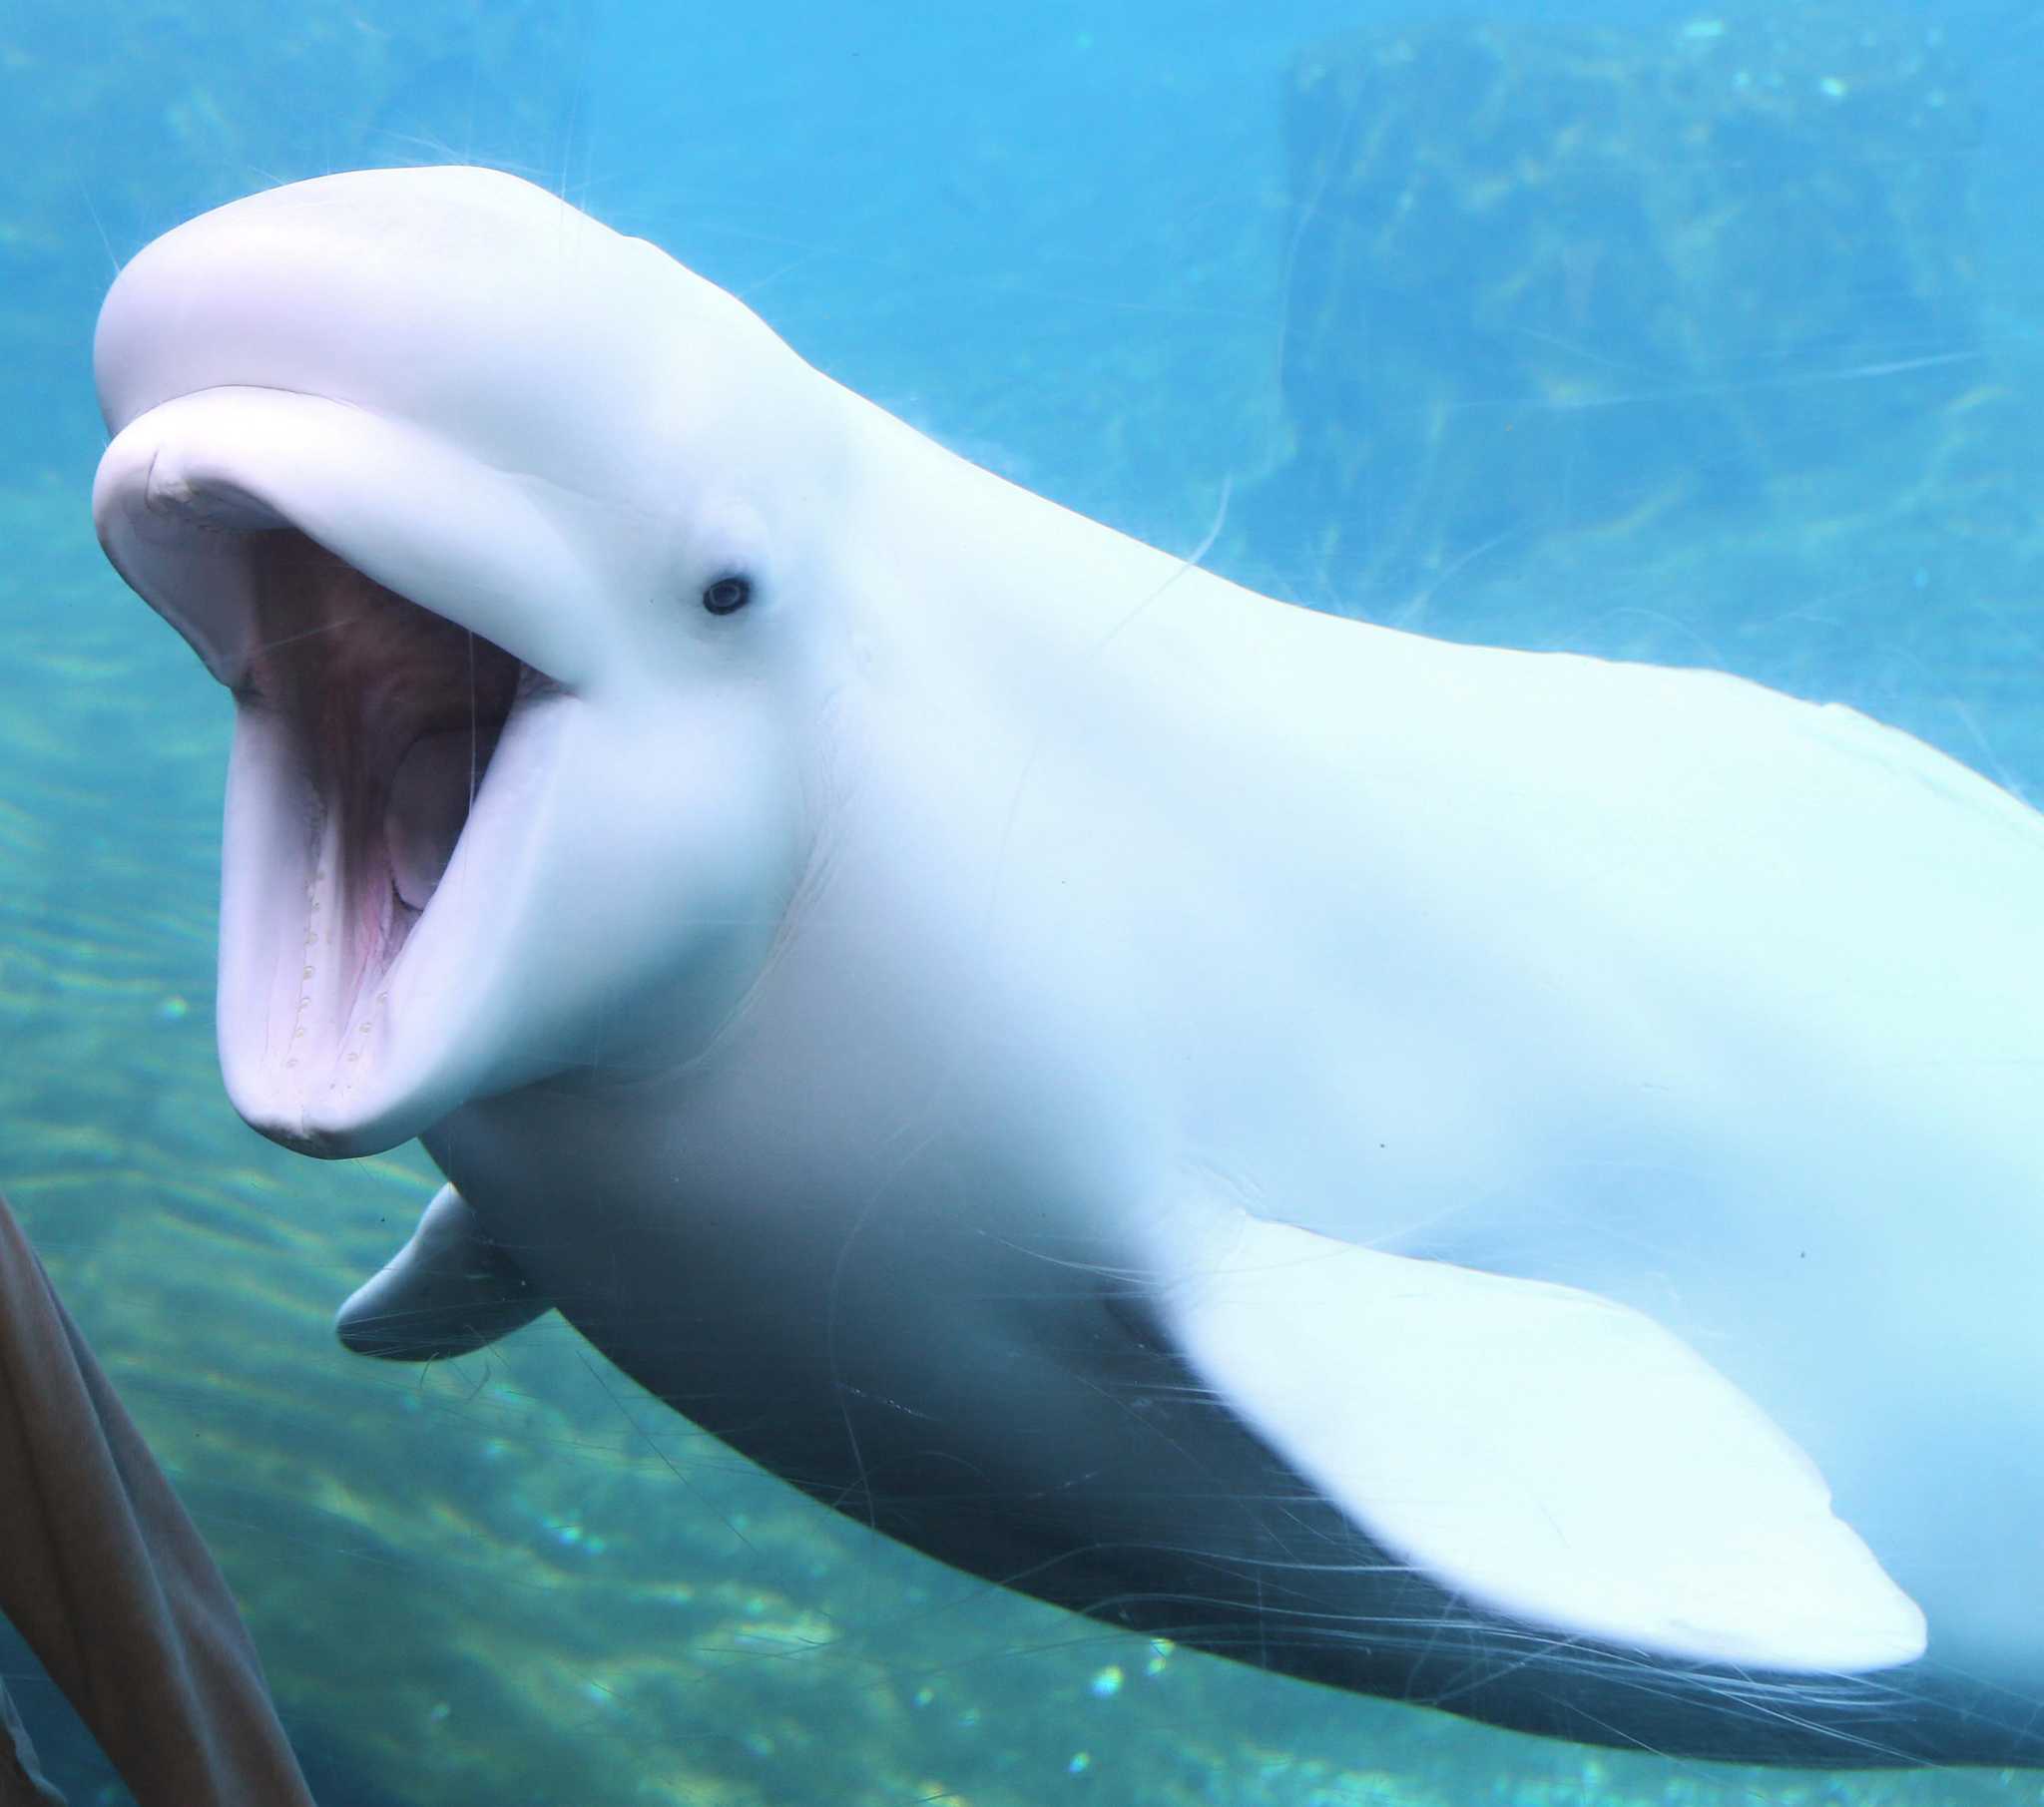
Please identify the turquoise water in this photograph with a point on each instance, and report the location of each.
(1074, 242)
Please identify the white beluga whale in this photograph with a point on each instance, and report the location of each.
(1496, 1179)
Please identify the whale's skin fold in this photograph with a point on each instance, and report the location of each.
(1500, 1179)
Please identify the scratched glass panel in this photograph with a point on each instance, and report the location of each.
(1071, 1184)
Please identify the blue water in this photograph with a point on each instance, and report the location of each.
(1064, 240)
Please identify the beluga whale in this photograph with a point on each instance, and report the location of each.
(1495, 1179)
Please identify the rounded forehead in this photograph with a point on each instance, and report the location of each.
(463, 299)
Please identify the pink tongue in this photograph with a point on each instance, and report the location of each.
(429, 798)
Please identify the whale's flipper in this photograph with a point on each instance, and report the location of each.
(447, 1291)
(1548, 1454)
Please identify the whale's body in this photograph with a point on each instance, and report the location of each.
(1502, 1179)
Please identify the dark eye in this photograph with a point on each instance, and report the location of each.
(728, 594)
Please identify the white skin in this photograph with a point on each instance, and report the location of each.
(1337, 1145)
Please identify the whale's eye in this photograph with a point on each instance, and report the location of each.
(728, 594)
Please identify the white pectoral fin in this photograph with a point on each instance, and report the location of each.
(448, 1292)
(1547, 1454)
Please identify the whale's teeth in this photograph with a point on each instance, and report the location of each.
(174, 492)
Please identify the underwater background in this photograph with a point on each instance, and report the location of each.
(1694, 335)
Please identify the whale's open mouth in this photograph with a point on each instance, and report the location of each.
(391, 760)
(386, 758)
(411, 809)
(388, 718)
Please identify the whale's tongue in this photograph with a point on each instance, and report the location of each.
(430, 795)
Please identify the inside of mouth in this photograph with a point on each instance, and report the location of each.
(395, 712)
